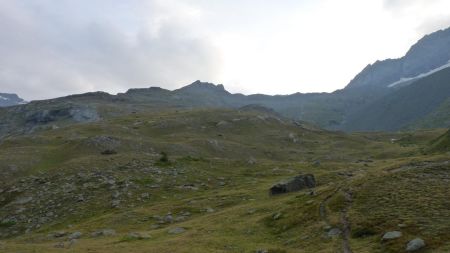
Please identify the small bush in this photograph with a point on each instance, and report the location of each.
(7, 224)
(363, 232)
(109, 152)
(164, 157)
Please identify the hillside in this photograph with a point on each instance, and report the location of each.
(441, 144)
(424, 100)
(101, 184)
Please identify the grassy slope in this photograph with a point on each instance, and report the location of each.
(390, 183)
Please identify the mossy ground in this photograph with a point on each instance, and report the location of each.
(228, 160)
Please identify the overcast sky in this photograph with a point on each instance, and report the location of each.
(52, 48)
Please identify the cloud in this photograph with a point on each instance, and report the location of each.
(428, 16)
(401, 4)
(433, 24)
(55, 48)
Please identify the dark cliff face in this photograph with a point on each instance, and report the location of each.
(8, 99)
(430, 52)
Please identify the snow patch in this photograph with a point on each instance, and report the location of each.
(408, 79)
(3, 98)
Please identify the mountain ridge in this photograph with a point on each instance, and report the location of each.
(430, 52)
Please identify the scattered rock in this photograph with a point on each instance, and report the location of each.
(115, 203)
(415, 244)
(155, 226)
(277, 216)
(75, 235)
(334, 232)
(177, 230)
(251, 161)
(71, 243)
(23, 200)
(392, 235)
(294, 184)
(222, 123)
(59, 245)
(138, 236)
(103, 232)
(292, 137)
(168, 218)
(58, 234)
(210, 210)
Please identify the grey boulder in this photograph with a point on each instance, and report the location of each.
(415, 244)
(294, 184)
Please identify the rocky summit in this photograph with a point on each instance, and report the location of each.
(8, 99)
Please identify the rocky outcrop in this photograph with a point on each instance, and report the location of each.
(77, 114)
(294, 184)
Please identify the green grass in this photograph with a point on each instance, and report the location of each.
(393, 182)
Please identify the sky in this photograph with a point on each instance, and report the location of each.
(52, 48)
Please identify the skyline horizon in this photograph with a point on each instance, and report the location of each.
(219, 83)
(253, 47)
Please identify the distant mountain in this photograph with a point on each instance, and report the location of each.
(429, 53)
(407, 93)
(427, 99)
(7, 99)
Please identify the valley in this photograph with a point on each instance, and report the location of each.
(103, 186)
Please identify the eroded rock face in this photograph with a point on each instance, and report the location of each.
(294, 184)
(78, 114)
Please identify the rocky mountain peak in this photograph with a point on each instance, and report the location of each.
(10, 99)
(201, 87)
(429, 53)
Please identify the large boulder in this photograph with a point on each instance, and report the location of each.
(294, 184)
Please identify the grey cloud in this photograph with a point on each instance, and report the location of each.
(400, 4)
(52, 48)
(434, 24)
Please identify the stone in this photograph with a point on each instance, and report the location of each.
(168, 218)
(334, 232)
(277, 216)
(177, 230)
(71, 243)
(294, 184)
(138, 236)
(59, 245)
(415, 244)
(75, 235)
(59, 234)
(392, 235)
(115, 203)
(155, 226)
(103, 232)
(23, 200)
(251, 161)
